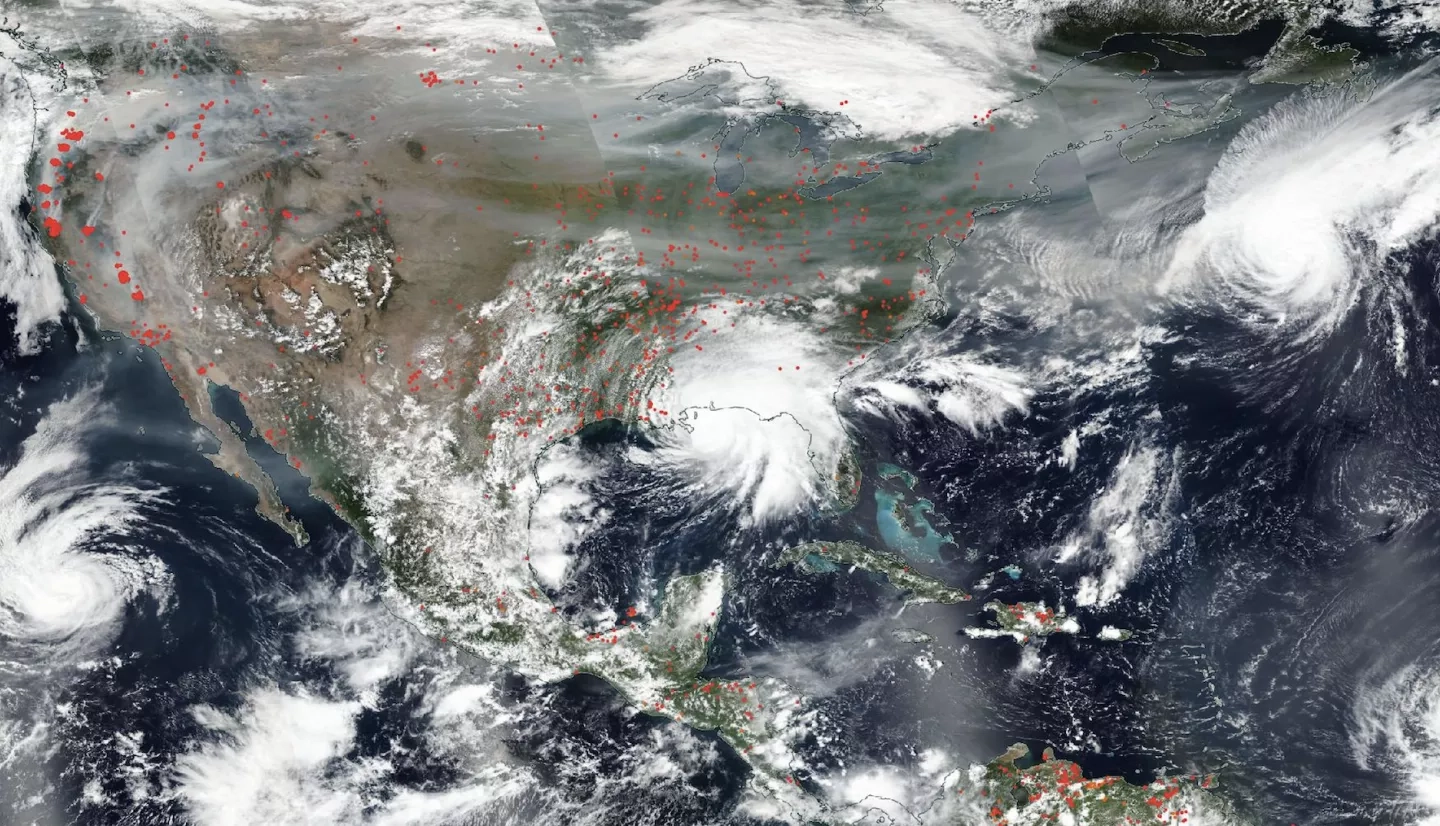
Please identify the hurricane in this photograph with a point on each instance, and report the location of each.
(735, 413)
(1396, 728)
(72, 554)
(1311, 202)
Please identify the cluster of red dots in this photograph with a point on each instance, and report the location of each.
(765, 240)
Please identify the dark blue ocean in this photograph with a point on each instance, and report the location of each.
(1284, 616)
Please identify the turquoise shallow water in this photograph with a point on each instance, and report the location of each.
(906, 527)
(820, 564)
(889, 471)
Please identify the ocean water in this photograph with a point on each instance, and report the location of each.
(168, 656)
(1253, 497)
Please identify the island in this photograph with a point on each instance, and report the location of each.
(824, 557)
(1024, 621)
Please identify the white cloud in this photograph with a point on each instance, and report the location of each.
(1395, 727)
(265, 768)
(27, 273)
(912, 69)
(750, 425)
(66, 573)
(1126, 521)
(564, 513)
(348, 629)
(472, 22)
(970, 393)
(1310, 199)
